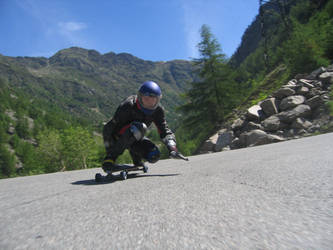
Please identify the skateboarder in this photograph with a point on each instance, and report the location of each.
(126, 129)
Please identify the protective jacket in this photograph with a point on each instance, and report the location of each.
(130, 111)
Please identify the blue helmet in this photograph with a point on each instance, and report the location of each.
(151, 89)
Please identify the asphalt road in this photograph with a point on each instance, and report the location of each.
(277, 196)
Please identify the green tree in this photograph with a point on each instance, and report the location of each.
(22, 128)
(7, 162)
(208, 98)
(29, 157)
(79, 146)
(50, 150)
(211, 97)
(301, 53)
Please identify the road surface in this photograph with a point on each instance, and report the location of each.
(277, 196)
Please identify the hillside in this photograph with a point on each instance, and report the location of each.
(51, 108)
(287, 40)
(90, 85)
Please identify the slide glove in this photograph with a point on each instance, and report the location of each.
(170, 143)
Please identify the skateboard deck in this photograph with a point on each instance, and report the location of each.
(123, 169)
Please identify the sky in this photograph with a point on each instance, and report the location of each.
(155, 30)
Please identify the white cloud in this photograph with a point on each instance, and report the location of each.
(72, 26)
(56, 32)
(192, 22)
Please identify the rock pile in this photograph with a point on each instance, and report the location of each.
(295, 110)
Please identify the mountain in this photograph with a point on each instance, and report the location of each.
(274, 23)
(90, 85)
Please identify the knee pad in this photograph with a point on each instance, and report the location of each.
(153, 155)
(138, 130)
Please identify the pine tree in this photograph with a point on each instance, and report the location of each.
(208, 100)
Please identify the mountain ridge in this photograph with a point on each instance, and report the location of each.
(82, 81)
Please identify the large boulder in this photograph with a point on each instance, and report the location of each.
(209, 145)
(315, 101)
(273, 123)
(300, 111)
(291, 84)
(313, 92)
(224, 139)
(302, 90)
(253, 126)
(326, 77)
(255, 113)
(291, 102)
(258, 137)
(314, 74)
(237, 124)
(270, 106)
(306, 83)
(301, 123)
(329, 68)
(284, 92)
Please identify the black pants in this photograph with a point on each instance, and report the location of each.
(144, 149)
(139, 149)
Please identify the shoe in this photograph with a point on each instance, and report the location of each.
(108, 165)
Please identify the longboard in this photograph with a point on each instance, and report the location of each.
(123, 169)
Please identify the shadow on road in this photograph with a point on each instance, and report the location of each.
(117, 178)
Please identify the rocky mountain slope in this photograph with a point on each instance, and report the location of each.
(297, 109)
(90, 85)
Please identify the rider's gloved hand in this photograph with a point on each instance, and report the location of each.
(170, 143)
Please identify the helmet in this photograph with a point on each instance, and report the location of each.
(149, 89)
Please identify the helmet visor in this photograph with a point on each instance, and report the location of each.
(150, 101)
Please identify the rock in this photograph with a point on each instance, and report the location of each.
(237, 124)
(302, 90)
(255, 113)
(326, 77)
(258, 137)
(291, 84)
(315, 101)
(11, 114)
(294, 133)
(11, 129)
(306, 83)
(273, 123)
(235, 143)
(329, 68)
(293, 111)
(208, 145)
(313, 92)
(318, 84)
(300, 111)
(30, 122)
(224, 139)
(301, 123)
(13, 96)
(291, 102)
(252, 126)
(270, 106)
(316, 73)
(283, 92)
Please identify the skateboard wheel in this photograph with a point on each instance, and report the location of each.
(98, 177)
(123, 175)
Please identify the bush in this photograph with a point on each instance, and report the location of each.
(7, 162)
